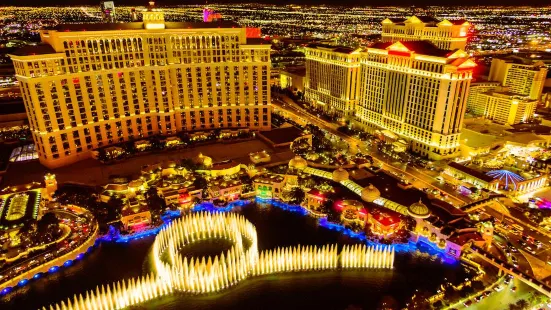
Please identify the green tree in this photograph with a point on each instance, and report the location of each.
(297, 195)
(519, 305)
(200, 182)
(102, 155)
(156, 203)
(114, 208)
(26, 232)
(47, 228)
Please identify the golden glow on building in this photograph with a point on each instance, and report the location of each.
(520, 78)
(331, 78)
(92, 85)
(416, 91)
(506, 108)
(445, 34)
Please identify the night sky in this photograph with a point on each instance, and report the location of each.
(316, 2)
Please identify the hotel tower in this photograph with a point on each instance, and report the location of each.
(416, 92)
(91, 85)
(411, 87)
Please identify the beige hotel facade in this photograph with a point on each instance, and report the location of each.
(92, 85)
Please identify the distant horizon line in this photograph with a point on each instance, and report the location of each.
(281, 5)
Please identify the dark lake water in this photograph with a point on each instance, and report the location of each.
(361, 289)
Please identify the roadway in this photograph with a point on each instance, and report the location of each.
(80, 229)
(503, 298)
(420, 178)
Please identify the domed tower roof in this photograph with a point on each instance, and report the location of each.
(340, 175)
(419, 210)
(298, 163)
(370, 193)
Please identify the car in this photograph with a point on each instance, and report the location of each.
(487, 293)
(33, 262)
(513, 289)
(479, 298)
(468, 303)
(47, 256)
(507, 280)
(498, 288)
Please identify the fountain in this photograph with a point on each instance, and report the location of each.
(206, 275)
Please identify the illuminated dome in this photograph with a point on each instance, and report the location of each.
(298, 163)
(340, 175)
(419, 210)
(370, 193)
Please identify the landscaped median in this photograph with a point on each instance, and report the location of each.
(51, 266)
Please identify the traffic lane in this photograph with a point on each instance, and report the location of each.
(526, 229)
(518, 258)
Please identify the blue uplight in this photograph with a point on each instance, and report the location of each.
(37, 276)
(79, 257)
(68, 263)
(6, 290)
(53, 269)
(23, 282)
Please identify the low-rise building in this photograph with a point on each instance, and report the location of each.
(269, 185)
(225, 190)
(353, 213)
(293, 78)
(472, 176)
(384, 223)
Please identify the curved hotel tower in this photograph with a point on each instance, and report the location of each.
(91, 85)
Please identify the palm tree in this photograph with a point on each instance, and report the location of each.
(297, 195)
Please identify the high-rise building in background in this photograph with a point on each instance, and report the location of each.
(92, 85)
(108, 14)
(416, 92)
(332, 78)
(513, 92)
(523, 79)
(445, 34)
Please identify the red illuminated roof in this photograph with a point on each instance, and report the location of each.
(386, 219)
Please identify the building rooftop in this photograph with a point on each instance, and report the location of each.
(476, 139)
(420, 47)
(31, 50)
(282, 135)
(475, 173)
(531, 128)
(140, 25)
(300, 71)
(257, 41)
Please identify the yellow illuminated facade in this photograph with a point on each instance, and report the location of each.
(92, 85)
(331, 78)
(416, 91)
(506, 108)
(445, 34)
(474, 104)
(520, 78)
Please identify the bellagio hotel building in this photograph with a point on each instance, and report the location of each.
(91, 85)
